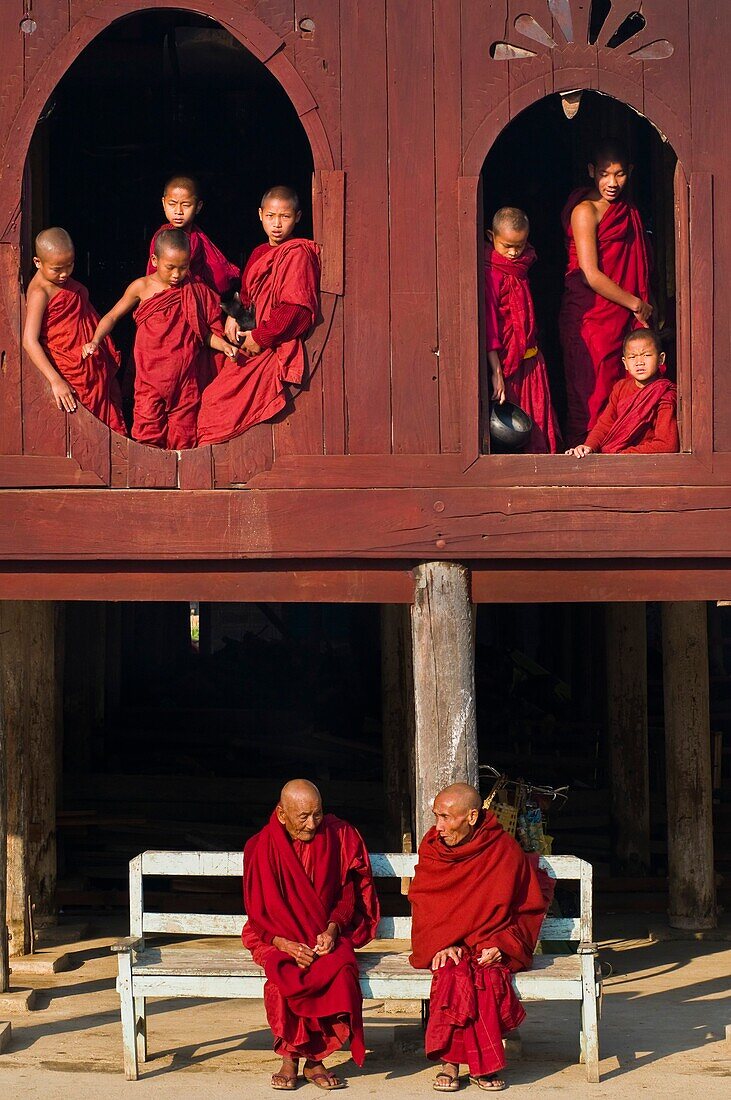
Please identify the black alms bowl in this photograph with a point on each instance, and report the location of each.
(510, 426)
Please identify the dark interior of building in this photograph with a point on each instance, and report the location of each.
(181, 722)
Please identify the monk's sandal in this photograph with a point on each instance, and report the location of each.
(452, 1086)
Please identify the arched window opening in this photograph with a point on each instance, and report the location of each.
(157, 94)
(560, 131)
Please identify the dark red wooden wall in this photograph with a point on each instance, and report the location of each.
(401, 101)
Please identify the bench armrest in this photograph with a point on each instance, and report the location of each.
(127, 945)
(585, 948)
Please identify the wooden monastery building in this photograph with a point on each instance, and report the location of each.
(379, 602)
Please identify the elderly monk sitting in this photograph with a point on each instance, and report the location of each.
(478, 902)
(310, 899)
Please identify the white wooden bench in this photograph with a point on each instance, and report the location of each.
(219, 967)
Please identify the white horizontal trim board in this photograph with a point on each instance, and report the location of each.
(384, 864)
(389, 928)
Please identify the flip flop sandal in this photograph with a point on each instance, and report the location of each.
(290, 1083)
(316, 1078)
(453, 1086)
(482, 1083)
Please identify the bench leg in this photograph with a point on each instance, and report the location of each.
(589, 1021)
(140, 1029)
(127, 1008)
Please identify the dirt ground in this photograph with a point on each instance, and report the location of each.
(663, 1033)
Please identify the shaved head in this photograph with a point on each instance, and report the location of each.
(283, 194)
(609, 151)
(457, 811)
(463, 796)
(510, 217)
(300, 809)
(53, 242)
(172, 240)
(186, 183)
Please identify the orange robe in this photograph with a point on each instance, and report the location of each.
(638, 419)
(69, 322)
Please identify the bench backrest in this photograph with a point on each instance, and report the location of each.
(385, 865)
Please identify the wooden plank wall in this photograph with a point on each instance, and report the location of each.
(401, 90)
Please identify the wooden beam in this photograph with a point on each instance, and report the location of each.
(444, 684)
(397, 698)
(692, 893)
(626, 663)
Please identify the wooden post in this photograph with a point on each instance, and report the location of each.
(445, 743)
(42, 735)
(397, 716)
(692, 894)
(626, 661)
(4, 968)
(14, 692)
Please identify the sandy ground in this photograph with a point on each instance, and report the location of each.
(663, 1033)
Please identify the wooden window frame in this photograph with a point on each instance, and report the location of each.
(693, 203)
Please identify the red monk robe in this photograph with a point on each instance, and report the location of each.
(294, 889)
(282, 283)
(484, 892)
(172, 362)
(591, 327)
(510, 329)
(69, 322)
(207, 262)
(638, 420)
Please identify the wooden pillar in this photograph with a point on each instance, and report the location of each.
(397, 716)
(28, 693)
(692, 894)
(626, 663)
(4, 968)
(445, 742)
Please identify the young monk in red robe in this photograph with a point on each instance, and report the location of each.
(309, 899)
(59, 320)
(281, 281)
(181, 204)
(517, 367)
(607, 286)
(178, 320)
(478, 903)
(640, 417)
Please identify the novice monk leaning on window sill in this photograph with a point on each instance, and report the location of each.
(640, 416)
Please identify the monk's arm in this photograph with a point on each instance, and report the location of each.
(36, 306)
(584, 226)
(497, 380)
(219, 344)
(129, 301)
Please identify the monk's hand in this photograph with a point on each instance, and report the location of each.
(498, 386)
(489, 956)
(326, 940)
(63, 395)
(580, 452)
(231, 328)
(249, 345)
(89, 349)
(442, 957)
(300, 952)
(643, 312)
(230, 351)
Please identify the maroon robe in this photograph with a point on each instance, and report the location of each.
(172, 362)
(294, 889)
(510, 329)
(638, 419)
(69, 322)
(592, 328)
(484, 892)
(253, 388)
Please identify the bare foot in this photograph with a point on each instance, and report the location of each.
(490, 1082)
(447, 1080)
(318, 1075)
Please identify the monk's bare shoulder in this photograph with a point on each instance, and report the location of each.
(38, 292)
(585, 216)
(143, 288)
